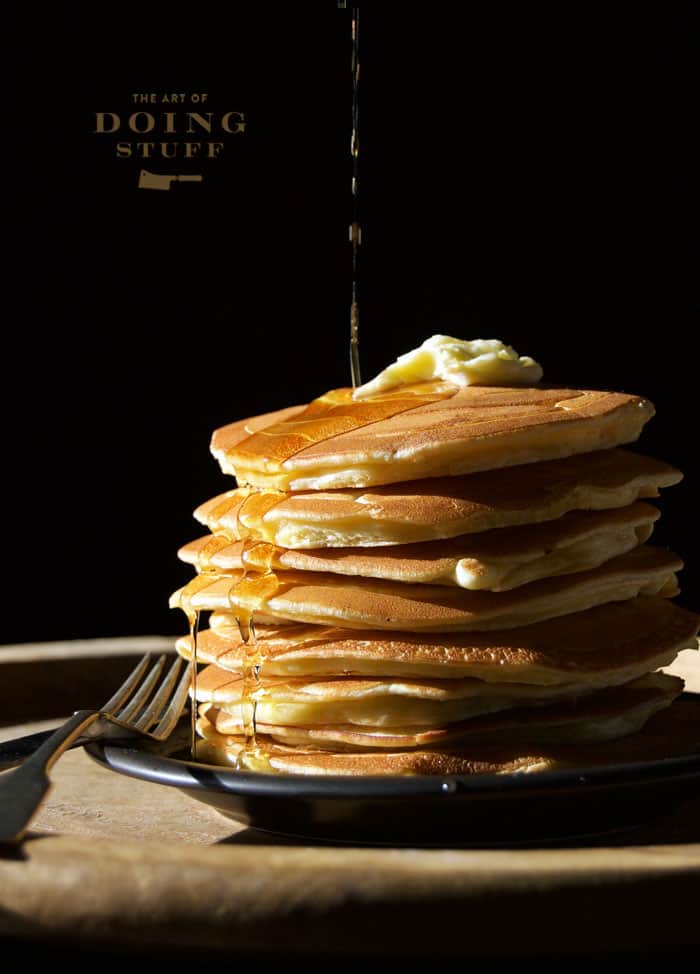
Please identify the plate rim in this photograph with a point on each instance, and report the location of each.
(127, 757)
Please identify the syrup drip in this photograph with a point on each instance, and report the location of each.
(193, 622)
(244, 596)
(250, 509)
(216, 543)
(192, 615)
(254, 508)
(221, 510)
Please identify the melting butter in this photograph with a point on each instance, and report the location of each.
(483, 361)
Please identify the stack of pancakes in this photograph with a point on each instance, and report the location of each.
(438, 579)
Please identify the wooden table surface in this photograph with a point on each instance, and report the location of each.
(116, 862)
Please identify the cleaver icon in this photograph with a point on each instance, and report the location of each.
(151, 180)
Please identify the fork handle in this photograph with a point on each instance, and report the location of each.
(23, 789)
(16, 751)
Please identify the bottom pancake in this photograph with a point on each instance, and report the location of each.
(285, 760)
(523, 740)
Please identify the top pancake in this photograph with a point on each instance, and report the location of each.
(425, 510)
(426, 430)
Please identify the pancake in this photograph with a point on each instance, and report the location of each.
(370, 702)
(222, 750)
(425, 430)
(611, 713)
(439, 508)
(360, 603)
(602, 717)
(493, 560)
(214, 723)
(609, 644)
(437, 579)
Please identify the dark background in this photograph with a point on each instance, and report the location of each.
(528, 172)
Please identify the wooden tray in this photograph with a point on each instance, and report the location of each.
(116, 861)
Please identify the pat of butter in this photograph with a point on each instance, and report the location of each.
(484, 362)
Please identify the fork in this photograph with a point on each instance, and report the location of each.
(130, 711)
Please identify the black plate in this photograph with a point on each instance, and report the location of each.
(515, 809)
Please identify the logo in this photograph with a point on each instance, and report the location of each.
(168, 130)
